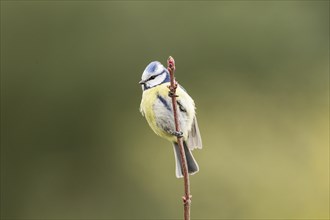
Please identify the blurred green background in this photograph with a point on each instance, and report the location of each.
(74, 145)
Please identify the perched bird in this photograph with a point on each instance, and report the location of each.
(156, 107)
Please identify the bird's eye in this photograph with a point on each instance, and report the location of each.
(152, 77)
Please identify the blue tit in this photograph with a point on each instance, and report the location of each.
(156, 107)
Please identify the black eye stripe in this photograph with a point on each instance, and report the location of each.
(154, 76)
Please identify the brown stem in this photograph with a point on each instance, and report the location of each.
(173, 85)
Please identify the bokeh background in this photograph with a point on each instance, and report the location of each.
(74, 145)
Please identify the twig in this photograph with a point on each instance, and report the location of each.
(187, 197)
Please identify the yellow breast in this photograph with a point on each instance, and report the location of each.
(147, 108)
(148, 99)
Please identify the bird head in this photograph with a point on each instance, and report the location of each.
(154, 75)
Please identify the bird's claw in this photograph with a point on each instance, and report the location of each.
(178, 134)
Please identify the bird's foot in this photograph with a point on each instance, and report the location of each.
(178, 134)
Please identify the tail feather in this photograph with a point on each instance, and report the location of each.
(191, 162)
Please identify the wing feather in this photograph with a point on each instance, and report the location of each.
(194, 137)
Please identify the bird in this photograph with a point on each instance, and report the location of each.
(156, 107)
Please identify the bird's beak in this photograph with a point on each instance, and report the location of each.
(142, 82)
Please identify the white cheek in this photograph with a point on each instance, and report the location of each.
(158, 80)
